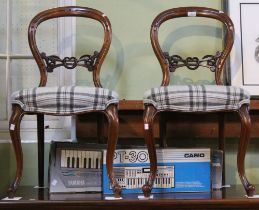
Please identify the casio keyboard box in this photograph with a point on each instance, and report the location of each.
(75, 167)
(179, 170)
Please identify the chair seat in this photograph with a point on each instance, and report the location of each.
(197, 98)
(64, 100)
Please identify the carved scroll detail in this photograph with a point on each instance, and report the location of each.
(192, 63)
(53, 61)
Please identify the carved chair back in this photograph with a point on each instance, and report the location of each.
(214, 62)
(47, 63)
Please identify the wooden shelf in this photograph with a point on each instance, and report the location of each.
(254, 105)
(131, 105)
(230, 198)
(138, 105)
(180, 125)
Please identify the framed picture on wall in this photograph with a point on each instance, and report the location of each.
(244, 58)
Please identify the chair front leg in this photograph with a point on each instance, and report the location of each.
(244, 140)
(149, 114)
(113, 129)
(14, 129)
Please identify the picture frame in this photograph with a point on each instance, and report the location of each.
(244, 58)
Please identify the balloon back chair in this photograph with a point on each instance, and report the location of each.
(64, 100)
(217, 98)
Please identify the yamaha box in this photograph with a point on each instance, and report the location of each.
(179, 170)
(75, 167)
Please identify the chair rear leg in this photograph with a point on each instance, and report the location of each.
(162, 130)
(14, 129)
(149, 114)
(221, 144)
(40, 132)
(243, 143)
(100, 129)
(113, 129)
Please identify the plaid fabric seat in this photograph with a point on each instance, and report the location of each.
(64, 100)
(199, 98)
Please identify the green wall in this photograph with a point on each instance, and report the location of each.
(131, 66)
(30, 170)
(4, 166)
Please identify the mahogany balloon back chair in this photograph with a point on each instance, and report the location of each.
(64, 100)
(195, 98)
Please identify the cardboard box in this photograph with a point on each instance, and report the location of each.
(179, 170)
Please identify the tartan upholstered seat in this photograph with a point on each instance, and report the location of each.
(198, 98)
(64, 100)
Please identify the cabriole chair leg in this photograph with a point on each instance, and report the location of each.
(14, 129)
(149, 115)
(113, 129)
(243, 143)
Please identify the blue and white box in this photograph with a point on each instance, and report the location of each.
(179, 170)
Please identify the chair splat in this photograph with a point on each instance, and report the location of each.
(53, 61)
(192, 63)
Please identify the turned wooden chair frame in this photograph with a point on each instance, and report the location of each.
(150, 111)
(111, 111)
